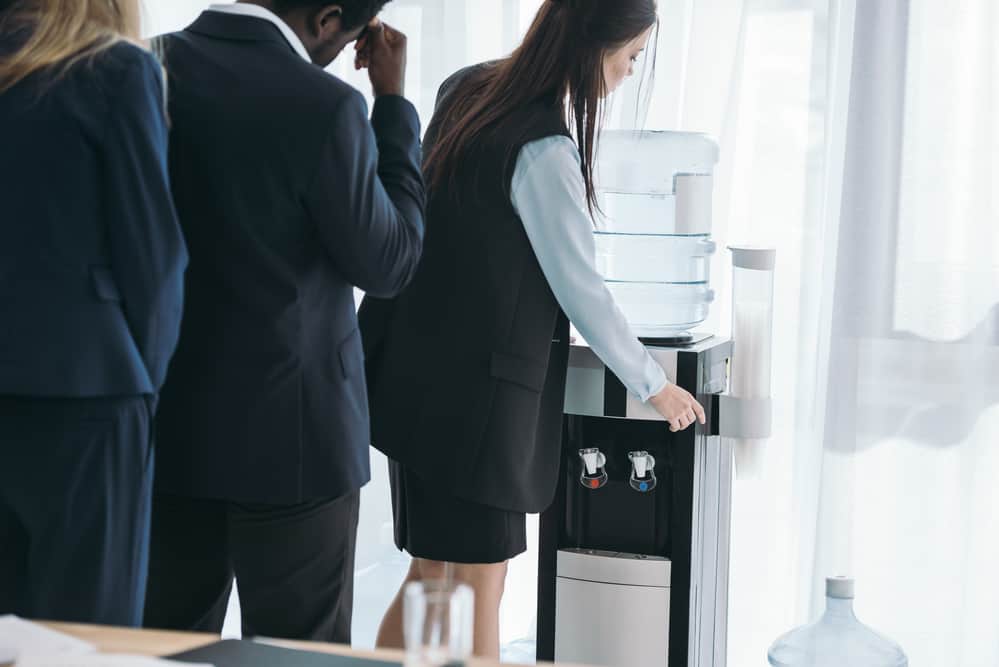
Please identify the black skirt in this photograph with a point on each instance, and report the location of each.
(435, 525)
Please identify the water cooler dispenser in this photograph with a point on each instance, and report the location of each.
(633, 558)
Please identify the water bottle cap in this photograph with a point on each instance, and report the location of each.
(839, 587)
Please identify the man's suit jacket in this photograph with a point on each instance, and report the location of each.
(288, 197)
(91, 256)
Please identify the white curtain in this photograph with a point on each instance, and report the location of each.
(859, 138)
(908, 493)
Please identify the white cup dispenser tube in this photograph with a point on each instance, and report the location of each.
(746, 418)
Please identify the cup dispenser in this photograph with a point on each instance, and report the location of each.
(633, 554)
(752, 329)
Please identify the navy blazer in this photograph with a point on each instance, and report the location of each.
(288, 197)
(91, 255)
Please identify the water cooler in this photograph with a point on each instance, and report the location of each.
(633, 558)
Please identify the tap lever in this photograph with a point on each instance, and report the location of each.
(643, 474)
(593, 476)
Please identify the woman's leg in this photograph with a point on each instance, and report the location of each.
(487, 580)
(390, 630)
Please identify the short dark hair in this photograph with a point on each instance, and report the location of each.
(355, 12)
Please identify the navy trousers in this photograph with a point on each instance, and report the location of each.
(293, 565)
(75, 493)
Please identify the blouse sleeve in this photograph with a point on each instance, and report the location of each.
(548, 194)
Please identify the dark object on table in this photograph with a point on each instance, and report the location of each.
(248, 653)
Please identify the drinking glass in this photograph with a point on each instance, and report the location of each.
(437, 623)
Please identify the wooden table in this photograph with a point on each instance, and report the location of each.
(160, 643)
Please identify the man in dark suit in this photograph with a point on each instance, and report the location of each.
(288, 197)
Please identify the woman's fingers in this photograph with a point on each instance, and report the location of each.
(678, 407)
(684, 420)
(699, 411)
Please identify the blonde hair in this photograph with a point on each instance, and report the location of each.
(60, 33)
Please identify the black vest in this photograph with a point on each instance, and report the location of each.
(467, 367)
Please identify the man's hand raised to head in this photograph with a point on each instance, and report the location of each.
(382, 50)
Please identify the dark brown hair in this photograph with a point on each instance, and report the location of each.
(559, 63)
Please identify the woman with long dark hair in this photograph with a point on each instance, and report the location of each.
(467, 367)
(91, 268)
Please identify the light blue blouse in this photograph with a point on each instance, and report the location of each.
(549, 195)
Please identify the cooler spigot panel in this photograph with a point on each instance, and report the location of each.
(594, 475)
(643, 475)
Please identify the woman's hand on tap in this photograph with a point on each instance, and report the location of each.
(678, 407)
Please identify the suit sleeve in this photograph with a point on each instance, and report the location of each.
(375, 313)
(148, 254)
(367, 197)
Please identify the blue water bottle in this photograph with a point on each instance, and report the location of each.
(837, 639)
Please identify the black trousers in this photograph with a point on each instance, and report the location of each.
(75, 487)
(294, 566)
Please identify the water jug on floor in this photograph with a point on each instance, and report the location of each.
(837, 639)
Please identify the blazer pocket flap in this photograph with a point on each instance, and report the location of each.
(351, 353)
(104, 284)
(524, 372)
